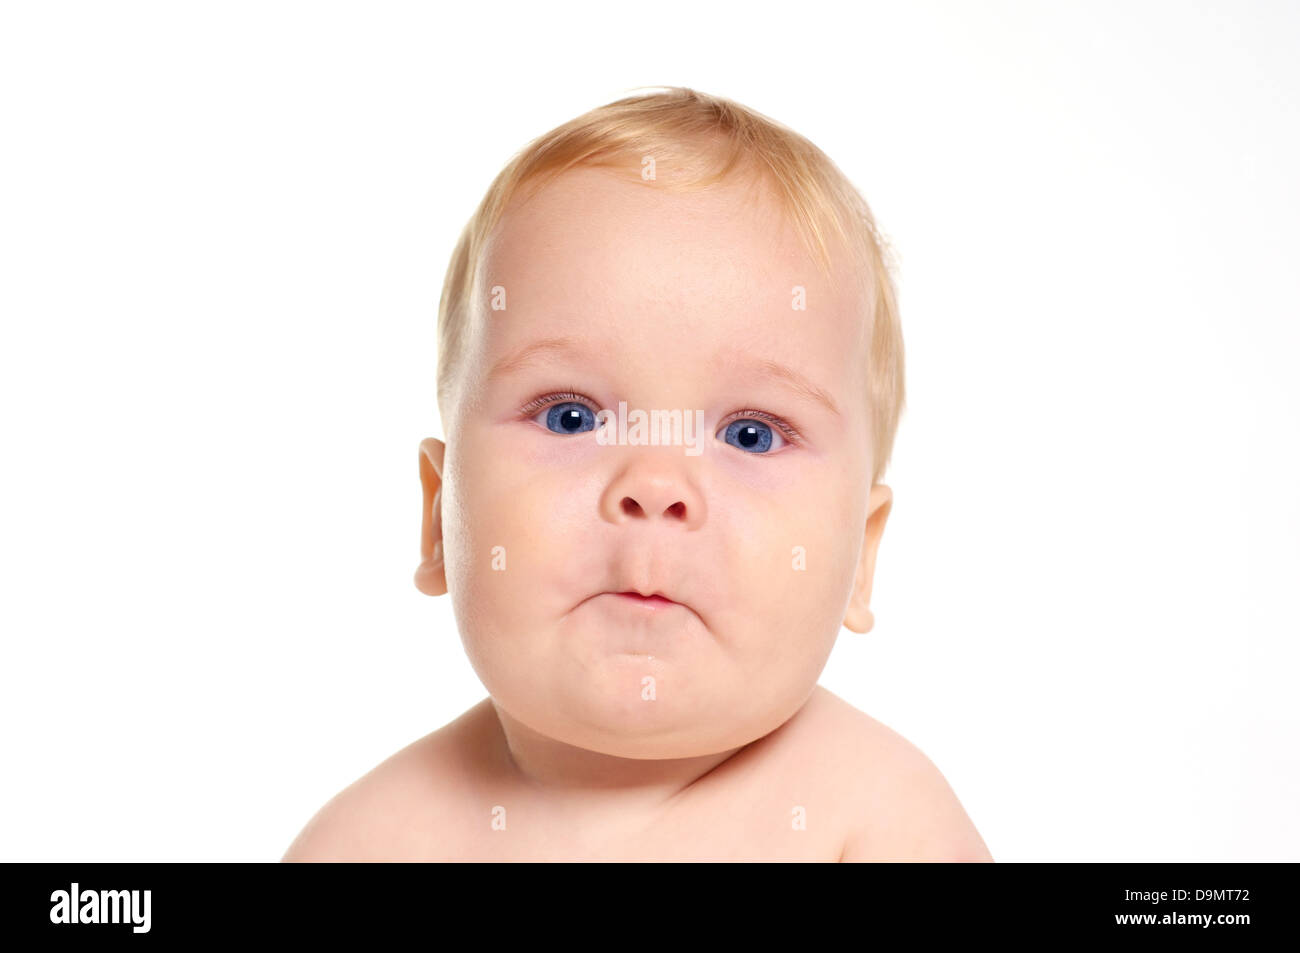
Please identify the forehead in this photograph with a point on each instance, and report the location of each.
(680, 278)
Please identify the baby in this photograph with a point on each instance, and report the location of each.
(670, 371)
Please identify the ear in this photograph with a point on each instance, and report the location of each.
(431, 575)
(858, 617)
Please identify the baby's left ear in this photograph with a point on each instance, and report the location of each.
(431, 574)
(858, 617)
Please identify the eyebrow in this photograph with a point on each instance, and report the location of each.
(529, 353)
(799, 385)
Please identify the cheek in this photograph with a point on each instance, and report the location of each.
(797, 584)
(509, 537)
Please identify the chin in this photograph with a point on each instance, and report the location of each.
(616, 711)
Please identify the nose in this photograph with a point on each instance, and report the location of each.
(653, 490)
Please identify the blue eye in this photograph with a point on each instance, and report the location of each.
(569, 417)
(752, 436)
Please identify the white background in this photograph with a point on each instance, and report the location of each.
(223, 231)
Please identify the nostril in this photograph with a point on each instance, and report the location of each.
(678, 509)
(631, 506)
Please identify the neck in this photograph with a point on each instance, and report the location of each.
(569, 771)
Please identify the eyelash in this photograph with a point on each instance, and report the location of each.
(536, 405)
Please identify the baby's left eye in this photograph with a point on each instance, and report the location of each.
(751, 435)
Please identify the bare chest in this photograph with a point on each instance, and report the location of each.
(781, 820)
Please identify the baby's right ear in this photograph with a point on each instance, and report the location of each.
(431, 575)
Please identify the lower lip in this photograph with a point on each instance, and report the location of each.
(643, 627)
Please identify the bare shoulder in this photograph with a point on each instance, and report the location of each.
(905, 808)
(388, 813)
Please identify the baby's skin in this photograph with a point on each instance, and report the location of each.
(619, 727)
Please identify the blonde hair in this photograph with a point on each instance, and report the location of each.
(703, 139)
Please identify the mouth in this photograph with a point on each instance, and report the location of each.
(651, 602)
(641, 621)
(636, 602)
(654, 601)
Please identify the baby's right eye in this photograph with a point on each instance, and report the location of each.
(561, 415)
(569, 417)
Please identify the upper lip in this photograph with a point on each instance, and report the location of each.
(646, 595)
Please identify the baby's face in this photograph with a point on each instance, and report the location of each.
(668, 302)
